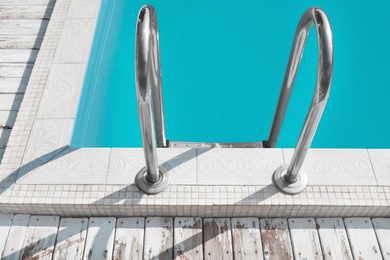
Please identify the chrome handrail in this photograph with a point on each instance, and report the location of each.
(153, 178)
(291, 181)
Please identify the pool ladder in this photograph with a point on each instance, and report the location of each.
(153, 178)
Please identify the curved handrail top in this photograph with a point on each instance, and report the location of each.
(148, 70)
(316, 16)
(325, 46)
(144, 36)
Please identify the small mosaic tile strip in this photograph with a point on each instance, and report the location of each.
(27, 112)
(210, 201)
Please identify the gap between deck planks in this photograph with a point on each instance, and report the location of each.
(22, 26)
(49, 237)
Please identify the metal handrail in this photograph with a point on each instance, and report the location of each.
(153, 178)
(291, 180)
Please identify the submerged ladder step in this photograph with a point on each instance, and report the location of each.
(179, 144)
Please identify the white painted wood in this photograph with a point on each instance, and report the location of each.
(188, 238)
(333, 237)
(71, 237)
(4, 136)
(362, 239)
(158, 238)
(10, 101)
(129, 238)
(13, 85)
(26, 2)
(304, 237)
(40, 237)
(15, 70)
(7, 118)
(382, 230)
(17, 234)
(246, 238)
(217, 238)
(100, 238)
(18, 56)
(21, 41)
(275, 238)
(5, 224)
(25, 12)
(22, 27)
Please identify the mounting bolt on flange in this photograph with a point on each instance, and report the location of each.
(152, 187)
(287, 187)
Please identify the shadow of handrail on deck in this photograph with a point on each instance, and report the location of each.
(35, 250)
(22, 171)
(267, 192)
(24, 79)
(172, 163)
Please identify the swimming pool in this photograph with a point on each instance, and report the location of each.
(222, 69)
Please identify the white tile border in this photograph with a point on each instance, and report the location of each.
(41, 174)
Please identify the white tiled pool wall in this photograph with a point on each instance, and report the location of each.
(41, 175)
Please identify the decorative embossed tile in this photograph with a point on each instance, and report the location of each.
(75, 41)
(72, 166)
(84, 9)
(380, 159)
(48, 138)
(336, 166)
(125, 163)
(62, 91)
(237, 166)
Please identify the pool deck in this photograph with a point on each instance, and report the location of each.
(57, 202)
(41, 174)
(52, 237)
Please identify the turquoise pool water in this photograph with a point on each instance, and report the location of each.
(222, 69)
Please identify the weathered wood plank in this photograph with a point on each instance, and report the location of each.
(188, 238)
(4, 136)
(7, 118)
(25, 12)
(275, 238)
(18, 56)
(100, 238)
(158, 238)
(5, 224)
(217, 238)
(27, 2)
(71, 238)
(15, 70)
(333, 237)
(40, 237)
(10, 101)
(304, 237)
(20, 41)
(246, 238)
(17, 234)
(382, 230)
(361, 235)
(13, 85)
(23, 27)
(129, 238)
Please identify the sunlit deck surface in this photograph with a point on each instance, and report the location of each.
(82, 203)
(52, 237)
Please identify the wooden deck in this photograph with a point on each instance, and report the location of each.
(22, 27)
(52, 237)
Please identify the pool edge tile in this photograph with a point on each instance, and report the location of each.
(380, 159)
(336, 166)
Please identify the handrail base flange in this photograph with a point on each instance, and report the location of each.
(286, 187)
(149, 187)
